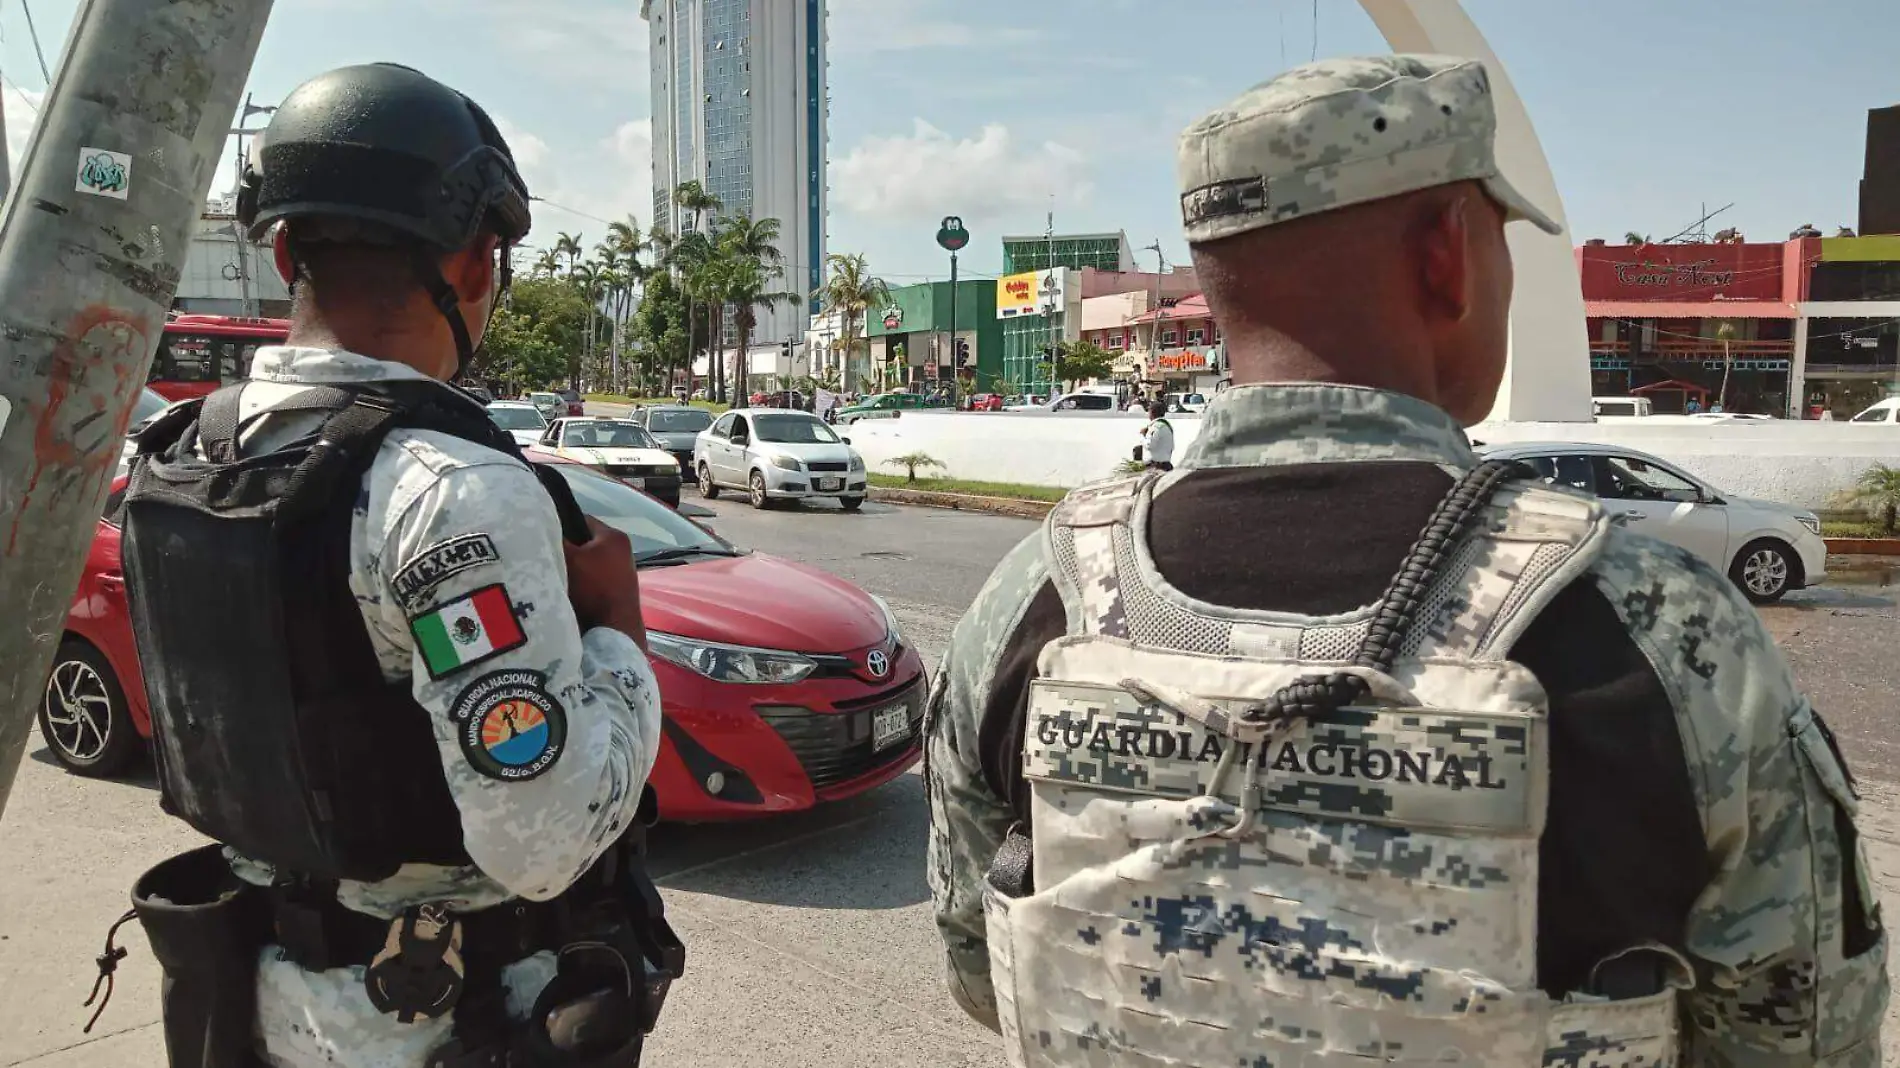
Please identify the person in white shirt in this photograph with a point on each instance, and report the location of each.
(1157, 448)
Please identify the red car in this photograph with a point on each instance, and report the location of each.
(986, 402)
(783, 686)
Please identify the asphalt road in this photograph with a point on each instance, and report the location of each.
(810, 938)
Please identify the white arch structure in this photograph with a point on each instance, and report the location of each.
(1548, 377)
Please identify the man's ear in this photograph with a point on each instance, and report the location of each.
(1441, 238)
(280, 252)
(472, 270)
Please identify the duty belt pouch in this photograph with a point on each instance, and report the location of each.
(206, 927)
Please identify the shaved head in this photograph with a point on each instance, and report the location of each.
(1409, 293)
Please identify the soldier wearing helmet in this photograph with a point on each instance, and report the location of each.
(394, 673)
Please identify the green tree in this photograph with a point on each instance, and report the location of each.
(556, 304)
(1077, 361)
(693, 198)
(568, 245)
(519, 350)
(849, 292)
(546, 264)
(911, 461)
(750, 271)
(1878, 491)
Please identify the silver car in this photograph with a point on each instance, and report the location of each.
(676, 427)
(777, 454)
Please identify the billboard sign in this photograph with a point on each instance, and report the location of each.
(1027, 293)
(1681, 272)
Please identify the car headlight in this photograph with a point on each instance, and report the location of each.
(786, 463)
(1813, 523)
(730, 663)
(857, 462)
(890, 620)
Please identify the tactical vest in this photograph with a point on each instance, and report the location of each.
(1268, 839)
(274, 729)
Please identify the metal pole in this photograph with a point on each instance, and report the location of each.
(90, 255)
(954, 369)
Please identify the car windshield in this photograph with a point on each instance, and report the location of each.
(682, 420)
(1194, 398)
(653, 527)
(792, 430)
(1874, 415)
(148, 405)
(517, 418)
(606, 436)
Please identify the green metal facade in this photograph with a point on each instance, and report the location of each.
(1101, 253)
(926, 309)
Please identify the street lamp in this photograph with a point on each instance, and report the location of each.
(951, 237)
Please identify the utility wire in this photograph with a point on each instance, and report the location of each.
(1315, 29)
(44, 73)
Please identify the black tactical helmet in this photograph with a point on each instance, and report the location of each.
(385, 145)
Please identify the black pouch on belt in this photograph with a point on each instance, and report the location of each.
(206, 928)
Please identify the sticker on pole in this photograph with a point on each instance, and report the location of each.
(104, 173)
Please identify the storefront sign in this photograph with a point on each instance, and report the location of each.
(893, 317)
(1027, 293)
(1186, 360)
(1681, 272)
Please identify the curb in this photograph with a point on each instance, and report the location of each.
(964, 502)
(1863, 546)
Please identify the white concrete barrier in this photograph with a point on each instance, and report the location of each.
(1798, 463)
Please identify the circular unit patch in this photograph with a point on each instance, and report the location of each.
(510, 727)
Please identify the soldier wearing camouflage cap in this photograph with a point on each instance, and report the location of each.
(1338, 745)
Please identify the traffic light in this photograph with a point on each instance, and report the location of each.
(961, 349)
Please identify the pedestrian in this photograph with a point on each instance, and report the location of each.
(1157, 439)
(411, 716)
(1237, 766)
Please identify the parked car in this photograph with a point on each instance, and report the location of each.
(550, 405)
(1881, 411)
(576, 405)
(1622, 407)
(1191, 403)
(883, 405)
(782, 686)
(1766, 548)
(675, 427)
(522, 421)
(1073, 402)
(147, 406)
(986, 402)
(775, 455)
(618, 447)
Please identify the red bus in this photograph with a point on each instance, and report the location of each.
(201, 352)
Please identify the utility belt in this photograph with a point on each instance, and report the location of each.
(617, 958)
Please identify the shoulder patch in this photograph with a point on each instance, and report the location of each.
(423, 572)
(468, 630)
(509, 726)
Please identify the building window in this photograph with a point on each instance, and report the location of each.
(1197, 336)
(1115, 342)
(1169, 338)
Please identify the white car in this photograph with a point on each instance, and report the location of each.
(777, 454)
(144, 410)
(521, 420)
(550, 405)
(1191, 403)
(1071, 402)
(617, 447)
(1882, 411)
(1766, 548)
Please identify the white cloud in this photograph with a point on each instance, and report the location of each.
(581, 188)
(21, 113)
(859, 27)
(929, 172)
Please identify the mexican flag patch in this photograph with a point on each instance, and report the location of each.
(468, 630)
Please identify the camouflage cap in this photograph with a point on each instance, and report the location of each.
(1342, 132)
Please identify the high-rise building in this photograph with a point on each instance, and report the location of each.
(739, 103)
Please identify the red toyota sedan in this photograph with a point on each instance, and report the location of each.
(783, 686)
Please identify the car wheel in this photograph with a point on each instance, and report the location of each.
(760, 499)
(707, 487)
(83, 715)
(851, 504)
(1765, 570)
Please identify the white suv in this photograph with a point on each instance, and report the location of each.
(1767, 548)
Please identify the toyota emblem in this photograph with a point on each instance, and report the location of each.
(878, 664)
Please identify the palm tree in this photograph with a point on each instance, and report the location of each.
(1878, 491)
(692, 197)
(848, 293)
(692, 255)
(747, 287)
(547, 263)
(569, 245)
(1634, 238)
(1725, 333)
(587, 277)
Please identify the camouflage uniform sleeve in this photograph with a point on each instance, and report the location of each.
(546, 734)
(1789, 957)
(967, 820)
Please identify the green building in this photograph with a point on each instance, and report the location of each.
(1029, 332)
(918, 319)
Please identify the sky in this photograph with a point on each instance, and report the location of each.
(1002, 110)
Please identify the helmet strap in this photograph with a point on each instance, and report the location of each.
(446, 301)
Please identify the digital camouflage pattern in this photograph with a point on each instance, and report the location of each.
(1341, 132)
(1774, 981)
(528, 839)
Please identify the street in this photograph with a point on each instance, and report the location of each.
(810, 941)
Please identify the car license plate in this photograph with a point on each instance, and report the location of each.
(889, 725)
(636, 482)
(830, 483)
